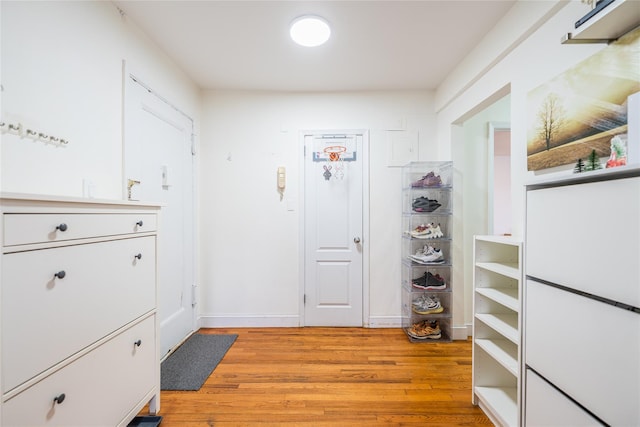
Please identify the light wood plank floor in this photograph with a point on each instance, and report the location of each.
(330, 377)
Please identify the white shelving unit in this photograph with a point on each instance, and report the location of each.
(497, 326)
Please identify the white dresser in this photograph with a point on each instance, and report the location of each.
(582, 300)
(79, 329)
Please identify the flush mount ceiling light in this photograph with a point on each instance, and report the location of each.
(310, 30)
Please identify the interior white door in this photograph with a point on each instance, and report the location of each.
(158, 158)
(333, 203)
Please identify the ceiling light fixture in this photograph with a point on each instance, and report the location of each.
(310, 31)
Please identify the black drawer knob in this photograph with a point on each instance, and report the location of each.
(59, 399)
(139, 256)
(62, 227)
(60, 274)
(138, 343)
(139, 223)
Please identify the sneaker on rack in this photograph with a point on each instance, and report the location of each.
(427, 305)
(432, 181)
(424, 204)
(424, 302)
(430, 282)
(421, 230)
(430, 255)
(421, 253)
(426, 329)
(421, 181)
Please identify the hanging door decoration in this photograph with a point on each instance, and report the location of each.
(335, 150)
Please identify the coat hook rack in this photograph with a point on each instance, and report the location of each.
(17, 129)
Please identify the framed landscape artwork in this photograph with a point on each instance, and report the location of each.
(585, 108)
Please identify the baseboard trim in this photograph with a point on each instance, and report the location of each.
(293, 321)
(384, 322)
(460, 332)
(250, 321)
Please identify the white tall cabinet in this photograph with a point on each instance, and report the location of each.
(582, 300)
(79, 342)
(497, 327)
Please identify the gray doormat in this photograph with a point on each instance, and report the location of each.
(190, 365)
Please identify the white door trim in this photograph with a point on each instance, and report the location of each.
(365, 219)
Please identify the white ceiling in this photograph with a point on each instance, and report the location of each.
(375, 45)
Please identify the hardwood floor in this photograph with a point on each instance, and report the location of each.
(330, 377)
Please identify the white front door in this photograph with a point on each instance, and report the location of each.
(333, 231)
(158, 157)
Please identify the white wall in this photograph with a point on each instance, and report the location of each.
(249, 240)
(62, 75)
(520, 69)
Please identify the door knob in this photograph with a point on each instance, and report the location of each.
(356, 240)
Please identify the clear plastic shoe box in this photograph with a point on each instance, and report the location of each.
(427, 198)
(413, 175)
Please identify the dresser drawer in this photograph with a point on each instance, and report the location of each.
(588, 349)
(47, 318)
(587, 237)
(548, 407)
(100, 388)
(20, 229)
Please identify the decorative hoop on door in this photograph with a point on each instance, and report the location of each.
(334, 152)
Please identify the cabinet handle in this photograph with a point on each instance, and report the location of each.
(138, 343)
(62, 227)
(139, 223)
(60, 274)
(139, 256)
(59, 399)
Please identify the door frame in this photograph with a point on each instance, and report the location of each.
(130, 73)
(365, 218)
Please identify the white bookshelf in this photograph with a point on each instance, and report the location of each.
(497, 326)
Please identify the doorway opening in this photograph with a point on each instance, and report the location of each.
(483, 204)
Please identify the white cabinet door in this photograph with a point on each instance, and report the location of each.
(587, 237)
(588, 349)
(22, 229)
(99, 389)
